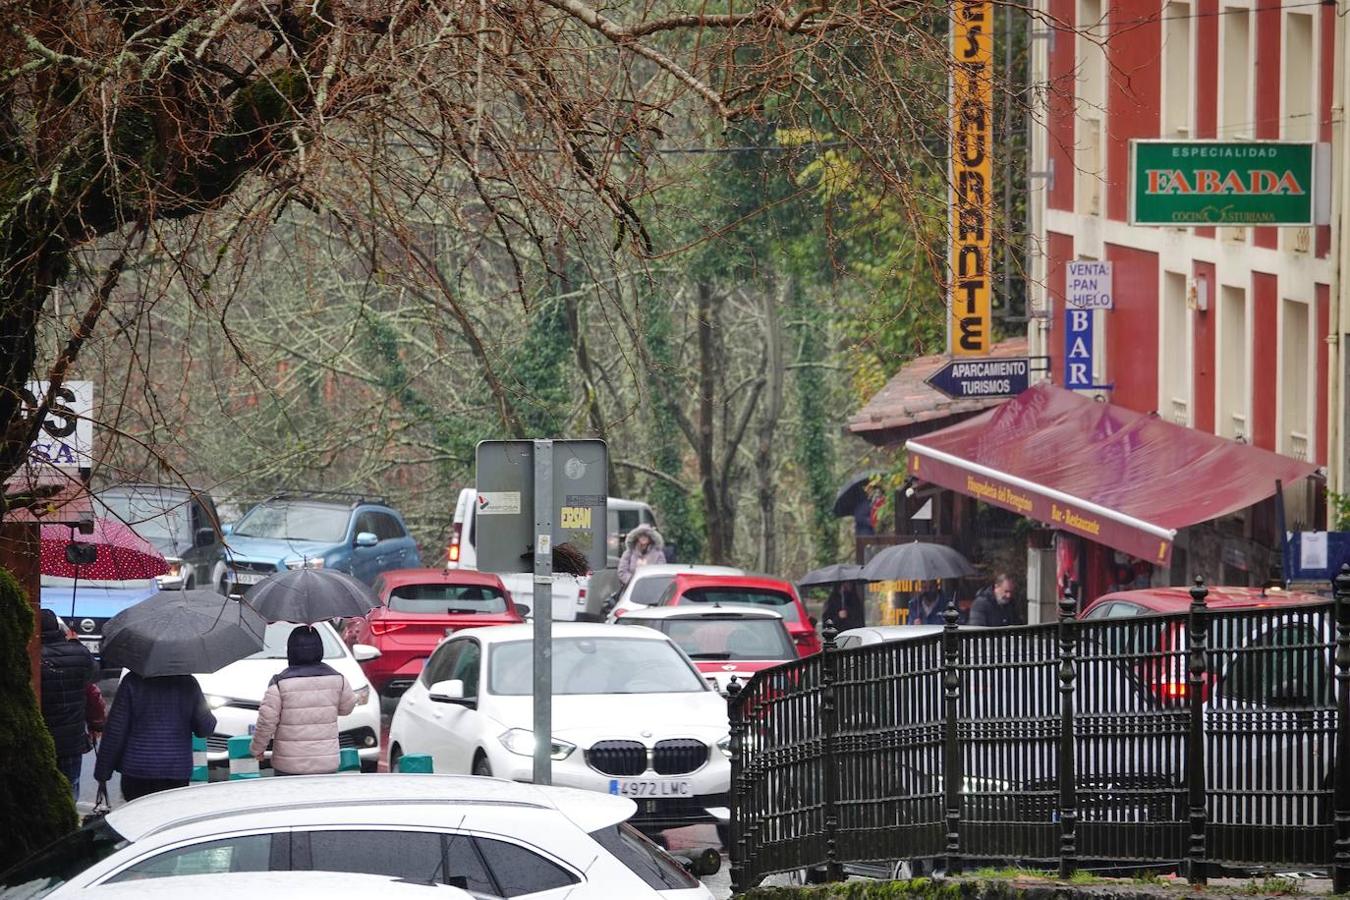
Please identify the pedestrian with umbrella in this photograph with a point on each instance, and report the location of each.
(924, 562)
(844, 606)
(159, 706)
(300, 710)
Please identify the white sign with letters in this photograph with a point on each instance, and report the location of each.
(1087, 284)
(66, 438)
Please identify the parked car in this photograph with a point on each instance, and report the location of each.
(236, 691)
(181, 522)
(360, 536)
(492, 838)
(418, 608)
(650, 582)
(728, 645)
(230, 884)
(879, 634)
(747, 590)
(86, 606)
(632, 716)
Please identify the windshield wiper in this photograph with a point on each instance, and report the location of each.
(710, 656)
(455, 610)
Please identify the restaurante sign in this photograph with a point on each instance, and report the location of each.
(1182, 183)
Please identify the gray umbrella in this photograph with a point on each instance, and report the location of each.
(181, 632)
(853, 490)
(836, 574)
(307, 596)
(917, 561)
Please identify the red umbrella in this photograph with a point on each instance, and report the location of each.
(123, 555)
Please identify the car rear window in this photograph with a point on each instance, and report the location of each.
(782, 603)
(730, 638)
(446, 599)
(646, 591)
(646, 860)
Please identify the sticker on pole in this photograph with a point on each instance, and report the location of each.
(499, 503)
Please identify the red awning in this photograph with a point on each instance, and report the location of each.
(1122, 478)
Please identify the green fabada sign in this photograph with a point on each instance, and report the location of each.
(1184, 183)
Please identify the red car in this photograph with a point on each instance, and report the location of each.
(419, 607)
(727, 645)
(1162, 647)
(748, 590)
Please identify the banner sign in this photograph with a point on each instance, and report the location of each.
(1078, 349)
(972, 194)
(1088, 284)
(66, 438)
(1222, 183)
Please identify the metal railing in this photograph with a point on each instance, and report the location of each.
(1209, 737)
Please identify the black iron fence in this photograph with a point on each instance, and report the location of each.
(1206, 737)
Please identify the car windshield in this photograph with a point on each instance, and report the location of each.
(48, 869)
(782, 603)
(154, 516)
(647, 591)
(274, 641)
(295, 522)
(441, 599)
(731, 638)
(611, 665)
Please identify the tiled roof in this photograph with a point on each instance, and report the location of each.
(907, 404)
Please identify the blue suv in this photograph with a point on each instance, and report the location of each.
(357, 535)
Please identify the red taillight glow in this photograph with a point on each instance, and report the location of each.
(619, 612)
(379, 628)
(1173, 690)
(452, 553)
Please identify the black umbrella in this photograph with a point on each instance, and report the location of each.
(853, 490)
(836, 574)
(917, 561)
(307, 596)
(181, 632)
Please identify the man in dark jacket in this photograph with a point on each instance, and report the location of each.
(993, 606)
(929, 607)
(149, 733)
(67, 668)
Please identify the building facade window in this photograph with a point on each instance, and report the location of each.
(1089, 156)
(1233, 394)
(1177, 74)
(1174, 351)
(1297, 379)
(1235, 87)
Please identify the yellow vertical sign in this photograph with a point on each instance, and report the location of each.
(972, 202)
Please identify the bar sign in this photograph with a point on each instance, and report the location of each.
(1078, 349)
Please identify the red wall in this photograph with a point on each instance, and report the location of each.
(1206, 25)
(1265, 353)
(1059, 112)
(1058, 251)
(1133, 92)
(1202, 352)
(1132, 329)
(1322, 298)
(1267, 90)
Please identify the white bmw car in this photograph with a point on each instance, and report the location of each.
(236, 691)
(632, 716)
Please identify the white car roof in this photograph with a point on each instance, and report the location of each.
(498, 634)
(294, 884)
(702, 611)
(387, 792)
(884, 633)
(682, 569)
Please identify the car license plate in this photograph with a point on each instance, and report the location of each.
(248, 577)
(91, 646)
(649, 788)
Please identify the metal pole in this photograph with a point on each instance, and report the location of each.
(1340, 872)
(830, 727)
(738, 792)
(1286, 559)
(1197, 629)
(1068, 786)
(543, 612)
(952, 777)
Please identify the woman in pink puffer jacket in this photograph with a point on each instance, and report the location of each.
(299, 712)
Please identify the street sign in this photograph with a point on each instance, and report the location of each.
(969, 317)
(1223, 183)
(1078, 349)
(1003, 376)
(1088, 284)
(66, 438)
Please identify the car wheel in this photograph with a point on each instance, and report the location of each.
(481, 766)
(395, 754)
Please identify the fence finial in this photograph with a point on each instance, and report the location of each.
(1197, 678)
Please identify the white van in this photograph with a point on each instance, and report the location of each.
(569, 594)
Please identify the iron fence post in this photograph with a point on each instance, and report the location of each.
(1340, 872)
(1068, 777)
(952, 777)
(829, 728)
(1197, 630)
(737, 848)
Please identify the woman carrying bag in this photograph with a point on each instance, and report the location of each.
(300, 711)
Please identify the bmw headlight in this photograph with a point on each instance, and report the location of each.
(520, 741)
(215, 701)
(305, 563)
(725, 746)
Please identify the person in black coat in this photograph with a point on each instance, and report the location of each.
(994, 605)
(67, 669)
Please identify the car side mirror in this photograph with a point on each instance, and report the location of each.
(365, 652)
(227, 528)
(523, 609)
(450, 691)
(204, 537)
(366, 539)
(79, 553)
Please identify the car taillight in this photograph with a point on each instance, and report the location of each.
(379, 628)
(619, 612)
(452, 554)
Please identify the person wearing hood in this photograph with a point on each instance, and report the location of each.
(643, 547)
(68, 668)
(300, 710)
